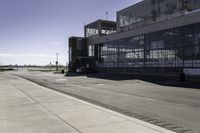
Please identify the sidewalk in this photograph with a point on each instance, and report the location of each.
(26, 107)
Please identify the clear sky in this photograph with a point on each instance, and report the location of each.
(33, 31)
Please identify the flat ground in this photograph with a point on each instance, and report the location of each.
(26, 107)
(174, 108)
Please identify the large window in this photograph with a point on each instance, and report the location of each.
(173, 48)
(91, 50)
(127, 52)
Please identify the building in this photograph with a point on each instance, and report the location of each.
(77, 50)
(152, 36)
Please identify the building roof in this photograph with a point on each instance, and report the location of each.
(99, 21)
(76, 37)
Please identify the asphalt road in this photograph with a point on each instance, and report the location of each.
(174, 108)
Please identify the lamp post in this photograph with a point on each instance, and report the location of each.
(56, 61)
(106, 15)
(50, 66)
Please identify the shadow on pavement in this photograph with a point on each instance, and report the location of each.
(156, 79)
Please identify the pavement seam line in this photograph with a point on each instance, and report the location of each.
(47, 109)
(120, 115)
(118, 92)
(111, 123)
(128, 118)
(15, 118)
(78, 101)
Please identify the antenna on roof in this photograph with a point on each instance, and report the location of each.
(106, 15)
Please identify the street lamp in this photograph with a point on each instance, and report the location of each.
(106, 15)
(56, 61)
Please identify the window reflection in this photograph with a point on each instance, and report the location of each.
(179, 47)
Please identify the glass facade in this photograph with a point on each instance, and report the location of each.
(155, 10)
(173, 48)
(100, 27)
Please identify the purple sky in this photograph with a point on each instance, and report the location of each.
(33, 31)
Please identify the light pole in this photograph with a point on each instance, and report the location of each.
(56, 61)
(50, 66)
(106, 15)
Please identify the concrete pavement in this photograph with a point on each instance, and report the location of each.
(29, 108)
(170, 107)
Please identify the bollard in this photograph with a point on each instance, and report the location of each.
(182, 77)
(63, 71)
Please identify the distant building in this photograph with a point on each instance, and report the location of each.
(152, 36)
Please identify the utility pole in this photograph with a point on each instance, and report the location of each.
(50, 66)
(56, 61)
(106, 15)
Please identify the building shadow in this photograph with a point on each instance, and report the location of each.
(170, 81)
(71, 74)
